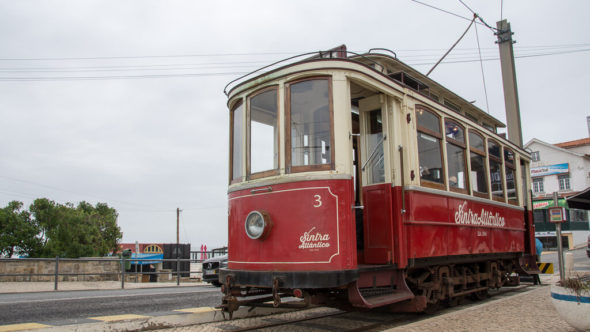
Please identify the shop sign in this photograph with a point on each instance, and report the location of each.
(550, 170)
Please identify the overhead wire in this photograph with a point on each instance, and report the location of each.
(414, 60)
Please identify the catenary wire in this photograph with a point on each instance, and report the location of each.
(179, 75)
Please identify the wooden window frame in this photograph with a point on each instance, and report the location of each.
(486, 167)
(270, 172)
(439, 136)
(462, 145)
(231, 142)
(512, 166)
(502, 175)
(288, 151)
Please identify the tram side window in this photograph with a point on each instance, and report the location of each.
(429, 149)
(456, 156)
(264, 134)
(310, 119)
(477, 157)
(495, 170)
(237, 136)
(510, 170)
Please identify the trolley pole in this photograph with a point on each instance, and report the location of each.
(559, 244)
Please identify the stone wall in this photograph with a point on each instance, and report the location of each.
(33, 266)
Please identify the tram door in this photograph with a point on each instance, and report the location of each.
(375, 194)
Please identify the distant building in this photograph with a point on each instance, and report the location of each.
(562, 168)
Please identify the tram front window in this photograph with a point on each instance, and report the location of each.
(264, 138)
(237, 115)
(310, 125)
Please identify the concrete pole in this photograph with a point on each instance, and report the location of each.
(559, 244)
(509, 82)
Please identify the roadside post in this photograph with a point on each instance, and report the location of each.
(56, 272)
(122, 272)
(557, 216)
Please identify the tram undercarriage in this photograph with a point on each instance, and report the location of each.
(416, 289)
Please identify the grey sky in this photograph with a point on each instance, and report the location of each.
(147, 145)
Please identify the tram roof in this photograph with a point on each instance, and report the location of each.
(384, 64)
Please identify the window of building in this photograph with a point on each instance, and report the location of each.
(577, 215)
(510, 171)
(263, 153)
(310, 140)
(456, 163)
(538, 185)
(236, 139)
(535, 156)
(564, 182)
(477, 157)
(495, 170)
(430, 149)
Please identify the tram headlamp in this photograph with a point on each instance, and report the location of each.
(258, 225)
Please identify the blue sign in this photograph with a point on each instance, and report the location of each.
(550, 170)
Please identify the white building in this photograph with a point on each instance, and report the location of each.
(562, 168)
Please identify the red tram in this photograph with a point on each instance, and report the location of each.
(356, 179)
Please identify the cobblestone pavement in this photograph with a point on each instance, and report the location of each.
(530, 311)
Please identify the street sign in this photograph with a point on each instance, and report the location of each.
(557, 214)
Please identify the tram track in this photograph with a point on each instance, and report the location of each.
(330, 319)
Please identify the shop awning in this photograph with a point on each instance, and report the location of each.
(547, 203)
(580, 200)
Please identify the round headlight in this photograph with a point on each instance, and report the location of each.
(257, 225)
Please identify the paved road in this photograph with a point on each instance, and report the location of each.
(581, 259)
(74, 307)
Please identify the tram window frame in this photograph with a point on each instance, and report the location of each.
(290, 168)
(463, 146)
(510, 166)
(232, 175)
(496, 159)
(272, 171)
(482, 154)
(431, 134)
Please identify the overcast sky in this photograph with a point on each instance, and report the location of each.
(121, 101)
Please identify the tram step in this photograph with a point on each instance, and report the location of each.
(392, 289)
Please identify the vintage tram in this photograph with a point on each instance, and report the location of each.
(356, 179)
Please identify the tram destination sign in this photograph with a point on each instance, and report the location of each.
(557, 214)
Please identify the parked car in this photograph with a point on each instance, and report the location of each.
(211, 269)
(588, 247)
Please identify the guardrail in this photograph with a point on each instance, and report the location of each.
(121, 273)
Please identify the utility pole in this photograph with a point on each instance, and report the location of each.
(177, 232)
(509, 82)
(559, 244)
(177, 246)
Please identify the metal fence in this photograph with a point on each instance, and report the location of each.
(121, 273)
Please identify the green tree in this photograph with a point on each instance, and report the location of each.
(76, 231)
(19, 234)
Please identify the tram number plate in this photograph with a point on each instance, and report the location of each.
(208, 272)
